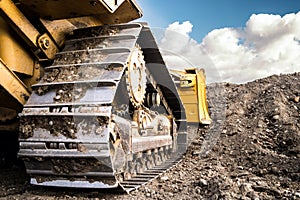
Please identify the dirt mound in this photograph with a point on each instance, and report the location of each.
(252, 150)
(257, 155)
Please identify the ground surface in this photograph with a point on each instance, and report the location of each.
(252, 151)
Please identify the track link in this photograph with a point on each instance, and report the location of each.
(82, 128)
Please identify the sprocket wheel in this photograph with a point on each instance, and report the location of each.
(136, 77)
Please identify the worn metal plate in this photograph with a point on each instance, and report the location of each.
(74, 184)
(95, 96)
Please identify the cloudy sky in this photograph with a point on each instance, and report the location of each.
(233, 42)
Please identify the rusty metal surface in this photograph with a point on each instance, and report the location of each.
(11, 51)
(13, 85)
(62, 9)
(151, 142)
(26, 30)
(19, 22)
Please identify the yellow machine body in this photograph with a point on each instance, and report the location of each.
(192, 90)
(32, 32)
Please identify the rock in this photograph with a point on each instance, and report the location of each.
(164, 178)
(203, 182)
(214, 197)
(276, 117)
(81, 148)
(196, 153)
(275, 170)
(253, 195)
(179, 181)
(268, 130)
(297, 99)
(232, 133)
(240, 167)
(58, 97)
(297, 194)
(245, 188)
(171, 194)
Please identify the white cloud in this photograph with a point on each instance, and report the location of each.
(268, 44)
(185, 28)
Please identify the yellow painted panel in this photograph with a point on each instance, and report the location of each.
(204, 117)
(13, 85)
(189, 98)
(185, 91)
(191, 112)
(12, 53)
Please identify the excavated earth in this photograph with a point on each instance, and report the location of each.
(251, 151)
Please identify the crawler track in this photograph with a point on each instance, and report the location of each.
(140, 179)
(105, 114)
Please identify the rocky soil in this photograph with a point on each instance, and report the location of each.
(251, 151)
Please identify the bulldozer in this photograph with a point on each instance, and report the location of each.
(88, 92)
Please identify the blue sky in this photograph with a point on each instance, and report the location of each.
(233, 40)
(211, 14)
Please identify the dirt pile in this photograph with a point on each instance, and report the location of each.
(252, 151)
(257, 155)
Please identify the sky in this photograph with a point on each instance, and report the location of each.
(234, 41)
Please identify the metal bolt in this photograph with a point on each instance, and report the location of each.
(44, 43)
